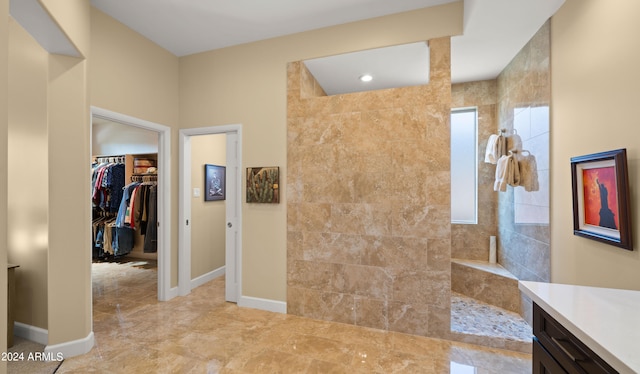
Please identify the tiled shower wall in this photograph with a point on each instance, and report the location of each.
(471, 242)
(368, 192)
(524, 94)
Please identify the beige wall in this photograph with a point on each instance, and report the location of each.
(68, 118)
(595, 72)
(133, 76)
(246, 84)
(208, 218)
(28, 204)
(4, 129)
(49, 105)
(368, 191)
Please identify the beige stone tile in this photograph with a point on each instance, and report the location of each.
(371, 313)
(408, 317)
(361, 219)
(272, 361)
(396, 253)
(329, 306)
(202, 333)
(333, 247)
(367, 281)
(320, 348)
(427, 221)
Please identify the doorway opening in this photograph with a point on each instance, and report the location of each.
(161, 171)
(232, 223)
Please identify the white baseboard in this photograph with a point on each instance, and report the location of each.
(199, 281)
(263, 304)
(72, 348)
(173, 292)
(33, 333)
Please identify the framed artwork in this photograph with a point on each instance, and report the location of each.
(601, 207)
(214, 182)
(263, 185)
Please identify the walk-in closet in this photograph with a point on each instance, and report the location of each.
(124, 206)
(124, 198)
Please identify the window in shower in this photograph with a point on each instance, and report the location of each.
(464, 161)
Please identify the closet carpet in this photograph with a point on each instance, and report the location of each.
(201, 333)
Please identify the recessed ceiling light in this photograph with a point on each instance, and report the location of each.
(366, 78)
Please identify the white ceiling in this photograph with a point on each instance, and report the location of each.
(190, 26)
(396, 66)
(494, 30)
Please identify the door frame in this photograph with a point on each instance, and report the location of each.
(233, 256)
(164, 192)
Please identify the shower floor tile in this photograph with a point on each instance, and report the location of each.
(470, 316)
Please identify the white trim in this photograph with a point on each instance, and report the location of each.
(164, 193)
(263, 304)
(184, 205)
(184, 214)
(33, 333)
(204, 278)
(173, 292)
(72, 348)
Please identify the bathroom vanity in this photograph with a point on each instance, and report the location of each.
(579, 329)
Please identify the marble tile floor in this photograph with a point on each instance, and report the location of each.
(201, 333)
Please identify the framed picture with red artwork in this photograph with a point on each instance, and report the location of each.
(601, 207)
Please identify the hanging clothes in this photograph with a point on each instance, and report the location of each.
(137, 212)
(107, 181)
(121, 212)
(107, 241)
(151, 235)
(123, 216)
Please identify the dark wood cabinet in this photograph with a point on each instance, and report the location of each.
(543, 362)
(556, 350)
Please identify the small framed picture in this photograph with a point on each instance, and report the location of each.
(601, 207)
(263, 185)
(214, 182)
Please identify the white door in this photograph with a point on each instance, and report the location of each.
(233, 235)
(232, 207)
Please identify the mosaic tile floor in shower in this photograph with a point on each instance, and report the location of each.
(474, 317)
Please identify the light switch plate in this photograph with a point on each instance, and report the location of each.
(196, 192)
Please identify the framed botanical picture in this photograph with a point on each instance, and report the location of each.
(601, 207)
(263, 185)
(214, 182)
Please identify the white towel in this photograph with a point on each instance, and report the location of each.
(507, 173)
(496, 148)
(529, 173)
(513, 171)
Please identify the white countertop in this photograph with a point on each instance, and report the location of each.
(606, 320)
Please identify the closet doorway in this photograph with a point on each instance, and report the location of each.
(161, 181)
(231, 138)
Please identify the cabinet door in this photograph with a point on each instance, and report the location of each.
(543, 363)
(571, 353)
